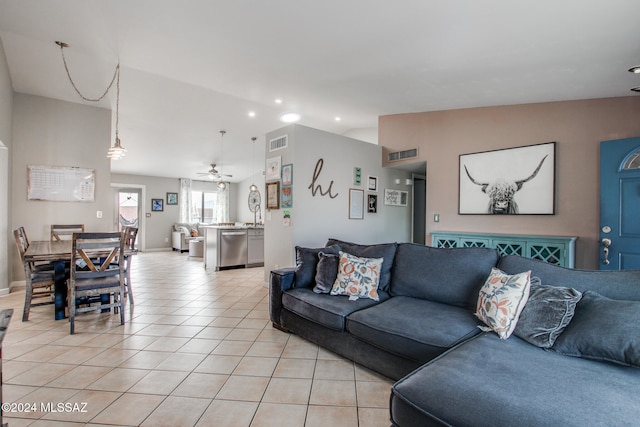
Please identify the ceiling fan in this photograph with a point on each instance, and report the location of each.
(213, 173)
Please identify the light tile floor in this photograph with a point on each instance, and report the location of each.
(197, 349)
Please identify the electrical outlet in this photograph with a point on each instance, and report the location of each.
(99, 214)
(166, 239)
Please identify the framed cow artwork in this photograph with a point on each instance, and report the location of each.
(512, 181)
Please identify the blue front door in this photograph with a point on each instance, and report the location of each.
(620, 204)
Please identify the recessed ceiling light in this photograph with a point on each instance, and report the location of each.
(290, 117)
(635, 70)
(252, 113)
(338, 118)
(278, 101)
(636, 89)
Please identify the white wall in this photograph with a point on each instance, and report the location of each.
(57, 133)
(242, 192)
(363, 134)
(315, 219)
(6, 117)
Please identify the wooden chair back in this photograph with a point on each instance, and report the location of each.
(39, 279)
(130, 234)
(97, 269)
(22, 242)
(64, 231)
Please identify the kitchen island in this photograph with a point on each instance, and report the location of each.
(233, 246)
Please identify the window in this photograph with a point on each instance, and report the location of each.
(632, 161)
(204, 206)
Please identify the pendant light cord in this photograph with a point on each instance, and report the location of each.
(116, 74)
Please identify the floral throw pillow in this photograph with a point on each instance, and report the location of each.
(357, 277)
(501, 300)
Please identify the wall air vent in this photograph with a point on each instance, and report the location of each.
(403, 155)
(279, 143)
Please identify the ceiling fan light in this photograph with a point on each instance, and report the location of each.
(222, 185)
(635, 69)
(253, 187)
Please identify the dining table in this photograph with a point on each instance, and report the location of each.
(58, 253)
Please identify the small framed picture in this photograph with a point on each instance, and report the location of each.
(356, 203)
(273, 168)
(273, 195)
(157, 205)
(286, 200)
(287, 174)
(372, 183)
(372, 203)
(172, 198)
(395, 197)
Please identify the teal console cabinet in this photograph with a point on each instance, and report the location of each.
(559, 250)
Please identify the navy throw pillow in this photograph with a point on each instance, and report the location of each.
(547, 313)
(603, 329)
(306, 263)
(326, 272)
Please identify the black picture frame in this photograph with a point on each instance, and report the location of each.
(157, 205)
(172, 198)
(372, 203)
(510, 181)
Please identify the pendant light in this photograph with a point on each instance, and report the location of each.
(222, 185)
(117, 151)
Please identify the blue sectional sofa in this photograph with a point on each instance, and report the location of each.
(422, 331)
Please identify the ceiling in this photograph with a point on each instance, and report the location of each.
(190, 68)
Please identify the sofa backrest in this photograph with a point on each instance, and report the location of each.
(621, 285)
(450, 276)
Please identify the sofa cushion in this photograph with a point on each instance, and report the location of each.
(329, 311)
(547, 313)
(387, 251)
(501, 300)
(357, 277)
(326, 272)
(306, 263)
(603, 329)
(413, 328)
(450, 276)
(490, 382)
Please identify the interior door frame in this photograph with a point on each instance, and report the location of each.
(141, 205)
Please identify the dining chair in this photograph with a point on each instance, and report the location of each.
(129, 235)
(64, 231)
(39, 279)
(104, 276)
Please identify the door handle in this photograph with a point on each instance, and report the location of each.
(606, 242)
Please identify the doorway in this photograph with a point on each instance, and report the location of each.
(129, 210)
(419, 217)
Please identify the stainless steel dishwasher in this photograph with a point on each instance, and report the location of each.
(233, 247)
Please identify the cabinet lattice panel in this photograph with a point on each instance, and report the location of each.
(557, 250)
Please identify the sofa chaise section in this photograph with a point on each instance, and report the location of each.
(491, 382)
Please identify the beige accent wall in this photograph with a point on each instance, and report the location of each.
(576, 126)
